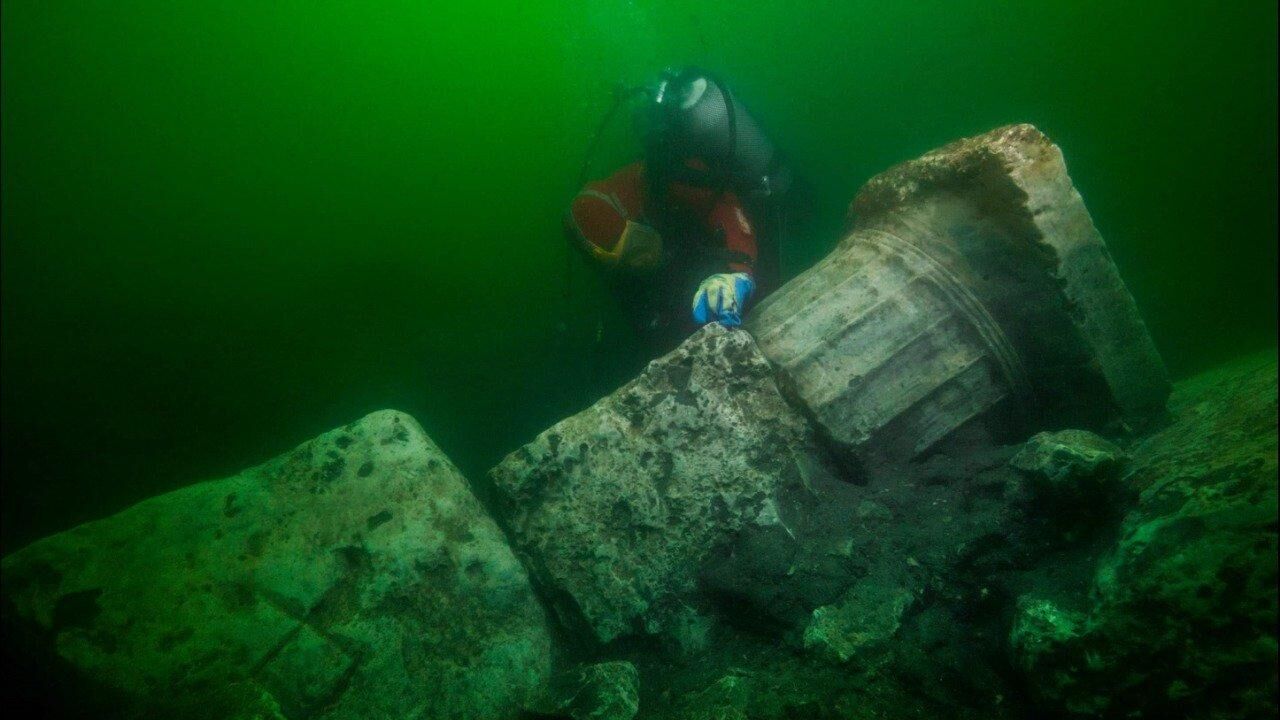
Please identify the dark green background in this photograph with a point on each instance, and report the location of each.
(229, 226)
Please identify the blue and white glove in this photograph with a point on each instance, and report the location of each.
(722, 297)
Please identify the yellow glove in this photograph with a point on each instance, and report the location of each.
(722, 297)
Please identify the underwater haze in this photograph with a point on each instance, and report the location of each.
(230, 226)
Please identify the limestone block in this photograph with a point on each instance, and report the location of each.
(616, 507)
(355, 576)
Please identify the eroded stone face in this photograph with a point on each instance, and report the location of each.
(599, 691)
(616, 507)
(1001, 213)
(1182, 614)
(1073, 479)
(1068, 457)
(355, 576)
(864, 621)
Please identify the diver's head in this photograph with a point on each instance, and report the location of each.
(658, 119)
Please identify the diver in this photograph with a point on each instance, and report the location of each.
(688, 234)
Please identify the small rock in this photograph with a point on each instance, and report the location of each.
(864, 620)
(1072, 477)
(725, 699)
(1040, 630)
(1068, 457)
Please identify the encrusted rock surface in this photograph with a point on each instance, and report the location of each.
(972, 288)
(863, 621)
(616, 508)
(1181, 620)
(1068, 457)
(885, 349)
(956, 591)
(353, 577)
(706, 540)
(1073, 478)
(599, 691)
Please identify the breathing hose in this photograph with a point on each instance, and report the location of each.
(621, 93)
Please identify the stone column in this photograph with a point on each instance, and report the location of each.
(973, 287)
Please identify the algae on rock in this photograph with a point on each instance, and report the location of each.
(864, 622)
(881, 523)
(355, 576)
(1182, 614)
(616, 507)
(599, 691)
(1068, 457)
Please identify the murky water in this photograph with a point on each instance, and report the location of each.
(230, 226)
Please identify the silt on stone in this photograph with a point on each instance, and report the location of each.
(600, 691)
(355, 576)
(1073, 477)
(616, 508)
(1181, 614)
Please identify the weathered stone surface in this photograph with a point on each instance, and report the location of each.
(1067, 457)
(353, 577)
(864, 621)
(1179, 621)
(616, 507)
(1000, 211)
(973, 286)
(888, 351)
(725, 699)
(1073, 477)
(896, 586)
(600, 691)
(1182, 622)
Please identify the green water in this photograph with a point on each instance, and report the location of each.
(229, 226)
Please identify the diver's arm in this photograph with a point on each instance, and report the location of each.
(601, 211)
(731, 221)
(723, 296)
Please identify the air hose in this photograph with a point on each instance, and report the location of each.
(621, 94)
